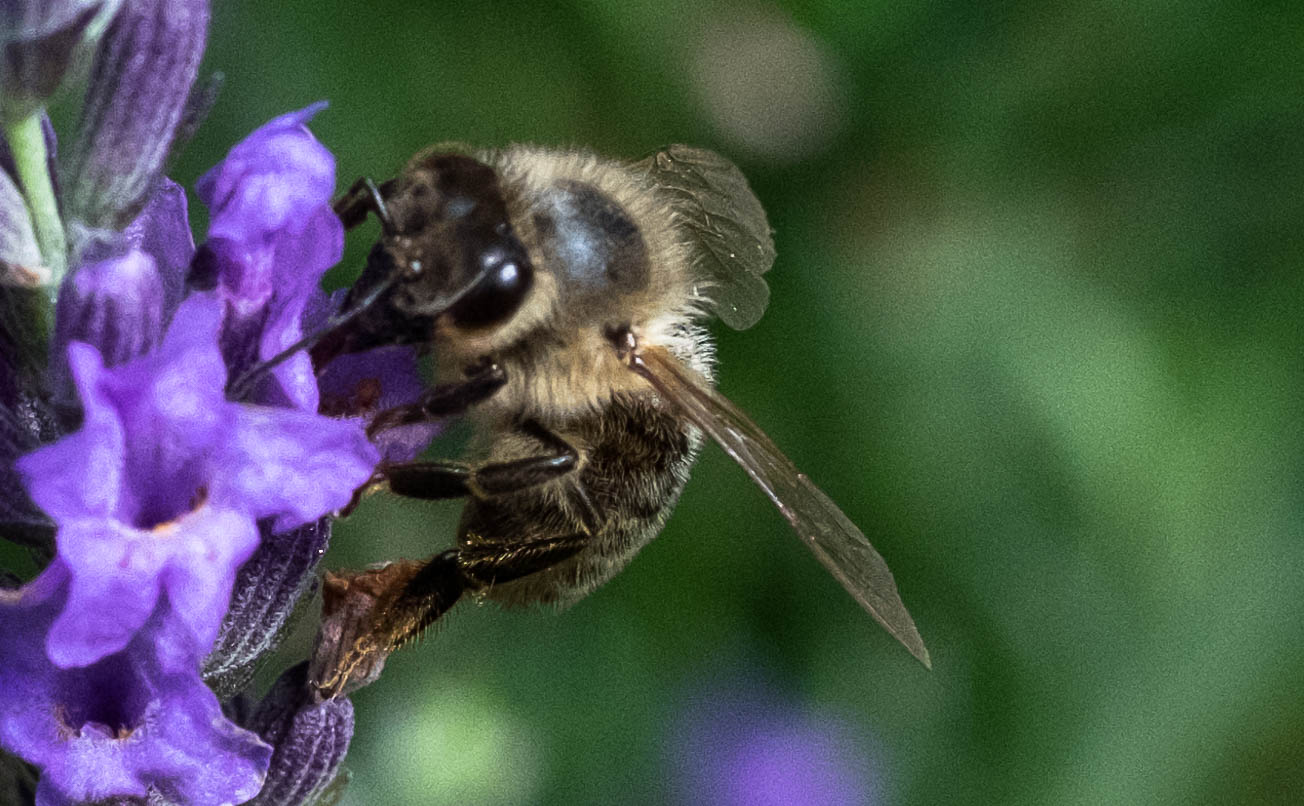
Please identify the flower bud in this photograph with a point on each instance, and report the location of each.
(39, 39)
(311, 740)
(267, 589)
(139, 86)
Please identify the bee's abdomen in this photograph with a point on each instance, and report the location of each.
(636, 458)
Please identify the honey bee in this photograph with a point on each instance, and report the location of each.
(564, 297)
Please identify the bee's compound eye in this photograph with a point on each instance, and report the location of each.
(499, 293)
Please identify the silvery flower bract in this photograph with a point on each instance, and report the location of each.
(311, 740)
(140, 82)
(38, 42)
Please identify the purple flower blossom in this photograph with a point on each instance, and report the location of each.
(161, 488)
(115, 304)
(360, 385)
(137, 720)
(165, 487)
(127, 285)
(271, 237)
(745, 750)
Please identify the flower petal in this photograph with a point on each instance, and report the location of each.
(115, 304)
(113, 589)
(162, 231)
(360, 385)
(293, 466)
(215, 543)
(136, 721)
(268, 178)
(80, 475)
(271, 236)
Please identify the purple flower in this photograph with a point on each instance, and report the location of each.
(745, 750)
(161, 488)
(151, 507)
(136, 720)
(272, 236)
(127, 285)
(363, 384)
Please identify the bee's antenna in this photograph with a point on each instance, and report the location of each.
(243, 385)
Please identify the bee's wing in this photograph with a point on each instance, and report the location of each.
(839, 545)
(725, 224)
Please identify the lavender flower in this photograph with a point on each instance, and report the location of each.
(361, 385)
(186, 524)
(271, 237)
(161, 488)
(741, 748)
(137, 720)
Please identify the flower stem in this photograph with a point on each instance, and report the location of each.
(27, 142)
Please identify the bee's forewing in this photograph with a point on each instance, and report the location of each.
(840, 546)
(725, 225)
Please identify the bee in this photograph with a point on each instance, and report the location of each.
(564, 298)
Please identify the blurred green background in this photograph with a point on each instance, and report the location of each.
(1036, 326)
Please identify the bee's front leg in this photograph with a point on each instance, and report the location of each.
(443, 401)
(365, 196)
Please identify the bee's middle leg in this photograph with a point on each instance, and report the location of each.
(439, 480)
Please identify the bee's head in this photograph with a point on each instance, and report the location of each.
(448, 252)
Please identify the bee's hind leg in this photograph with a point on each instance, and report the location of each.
(367, 615)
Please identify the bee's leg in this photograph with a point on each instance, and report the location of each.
(365, 196)
(437, 480)
(445, 400)
(489, 563)
(369, 614)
